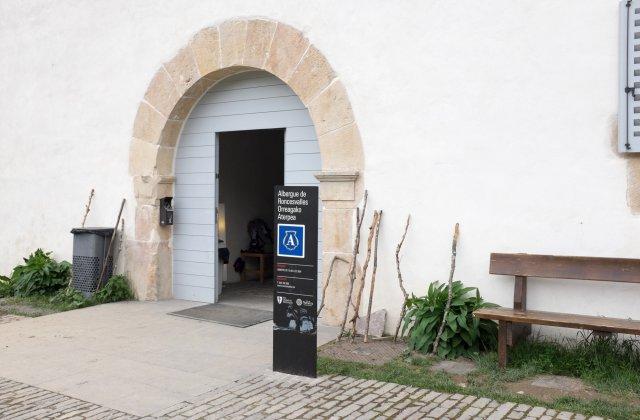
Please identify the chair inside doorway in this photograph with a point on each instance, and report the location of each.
(250, 164)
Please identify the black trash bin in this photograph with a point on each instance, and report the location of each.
(90, 246)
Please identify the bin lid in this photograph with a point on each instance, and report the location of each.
(102, 231)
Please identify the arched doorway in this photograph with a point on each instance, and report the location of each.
(211, 56)
(247, 134)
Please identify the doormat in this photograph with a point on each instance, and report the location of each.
(236, 316)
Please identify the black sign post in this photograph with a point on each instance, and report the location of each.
(295, 297)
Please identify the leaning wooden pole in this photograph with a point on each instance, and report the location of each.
(106, 259)
(353, 265)
(120, 244)
(363, 275)
(400, 282)
(87, 208)
(454, 246)
(373, 277)
(326, 283)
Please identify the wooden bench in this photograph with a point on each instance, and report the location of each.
(516, 323)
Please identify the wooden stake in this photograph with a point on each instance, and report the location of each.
(352, 268)
(120, 241)
(404, 291)
(326, 283)
(454, 246)
(87, 208)
(363, 276)
(106, 259)
(373, 277)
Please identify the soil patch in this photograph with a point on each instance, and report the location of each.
(548, 388)
(457, 367)
(375, 352)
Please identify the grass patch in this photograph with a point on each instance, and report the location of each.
(65, 299)
(414, 372)
(607, 364)
(31, 306)
(397, 371)
(611, 367)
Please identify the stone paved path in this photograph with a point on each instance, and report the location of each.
(278, 396)
(20, 401)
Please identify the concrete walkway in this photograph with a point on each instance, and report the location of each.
(131, 359)
(132, 356)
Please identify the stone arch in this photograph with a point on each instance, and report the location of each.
(211, 55)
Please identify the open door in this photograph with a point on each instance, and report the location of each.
(250, 102)
(195, 245)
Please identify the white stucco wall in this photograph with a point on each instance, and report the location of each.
(499, 114)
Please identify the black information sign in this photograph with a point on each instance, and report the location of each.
(296, 280)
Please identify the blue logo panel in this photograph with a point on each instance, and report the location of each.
(291, 241)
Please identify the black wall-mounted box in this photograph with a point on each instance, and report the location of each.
(166, 211)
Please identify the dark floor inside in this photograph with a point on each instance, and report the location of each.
(248, 294)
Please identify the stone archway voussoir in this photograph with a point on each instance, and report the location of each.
(287, 48)
(205, 46)
(233, 36)
(311, 76)
(183, 70)
(341, 149)
(331, 110)
(162, 93)
(148, 159)
(259, 36)
(149, 124)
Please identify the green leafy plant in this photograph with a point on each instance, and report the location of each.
(40, 275)
(6, 287)
(463, 334)
(69, 298)
(116, 289)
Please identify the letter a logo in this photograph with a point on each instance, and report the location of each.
(290, 240)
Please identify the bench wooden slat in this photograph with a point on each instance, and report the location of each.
(586, 322)
(580, 268)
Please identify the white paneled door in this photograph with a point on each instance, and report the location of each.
(248, 101)
(195, 245)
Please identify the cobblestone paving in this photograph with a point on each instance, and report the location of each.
(20, 401)
(279, 396)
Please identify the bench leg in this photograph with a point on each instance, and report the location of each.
(517, 333)
(503, 330)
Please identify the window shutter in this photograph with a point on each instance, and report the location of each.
(629, 109)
